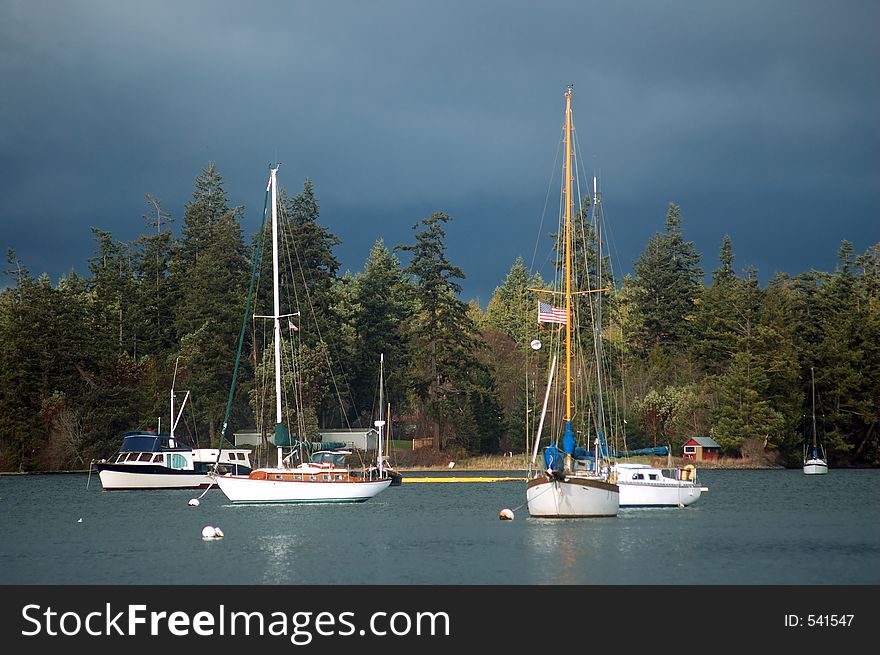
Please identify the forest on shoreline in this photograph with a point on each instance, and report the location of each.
(83, 359)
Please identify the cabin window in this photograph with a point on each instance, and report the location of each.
(178, 461)
(312, 478)
(652, 476)
(326, 477)
(131, 457)
(690, 449)
(338, 476)
(638, 476)
(278, 476)
(145, 457)
(157, 458)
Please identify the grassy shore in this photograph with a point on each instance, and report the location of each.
(520, 462)
(429, 460)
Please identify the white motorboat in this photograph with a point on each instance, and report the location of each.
(149, 460)
(642, 485)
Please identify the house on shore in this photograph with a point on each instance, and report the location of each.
(702, 449)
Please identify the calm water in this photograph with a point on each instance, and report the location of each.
(752, 527)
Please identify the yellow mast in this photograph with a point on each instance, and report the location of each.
(568, 173)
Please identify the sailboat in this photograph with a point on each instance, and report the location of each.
(328, 476)
(570, 485)
(813, 463)
(383, 428)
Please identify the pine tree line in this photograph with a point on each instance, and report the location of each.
(88, 358)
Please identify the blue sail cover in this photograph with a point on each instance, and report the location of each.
(568, 439)
(659, 451)
(553, 458)
(582, 453)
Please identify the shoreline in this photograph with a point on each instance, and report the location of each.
(521, 463)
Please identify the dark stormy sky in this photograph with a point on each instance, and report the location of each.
(758, 117)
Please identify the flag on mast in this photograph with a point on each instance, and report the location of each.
(547, 313)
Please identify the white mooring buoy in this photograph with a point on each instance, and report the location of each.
(506, 515)
(210, 532)
(194, 502)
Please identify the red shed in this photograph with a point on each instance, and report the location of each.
(701, 449)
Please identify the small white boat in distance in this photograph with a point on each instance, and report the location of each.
(813, 463)
(815, 466)
(642, 485)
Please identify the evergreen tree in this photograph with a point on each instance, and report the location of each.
(382, 306)
(114, 291)
(513, 307)
(715, 320)
(508, 327)
(308, 266)
(20, 373)
(211, 274)
(745, 411)
(442, 336)
(153, 253)
(668, 276)
(846, 381)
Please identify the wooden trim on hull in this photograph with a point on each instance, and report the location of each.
(305, 501)
(585, 482)
(565, 517)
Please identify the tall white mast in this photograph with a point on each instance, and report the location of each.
(597, 338)
(381, 422)
(276, 313)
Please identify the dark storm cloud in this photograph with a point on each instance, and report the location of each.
(757, 118)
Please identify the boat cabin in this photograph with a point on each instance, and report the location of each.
(151, 448)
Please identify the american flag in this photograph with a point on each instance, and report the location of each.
(547, 313)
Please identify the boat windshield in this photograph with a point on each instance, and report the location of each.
(144, 442)
(326, 457)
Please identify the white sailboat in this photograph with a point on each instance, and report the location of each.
(383, 426)
(327, 477)
(568, 487)
(814, 463)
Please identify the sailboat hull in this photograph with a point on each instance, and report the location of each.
(572, 497)
(247, 490)
(815, 467)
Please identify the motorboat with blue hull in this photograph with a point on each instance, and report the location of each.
(150, 460)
